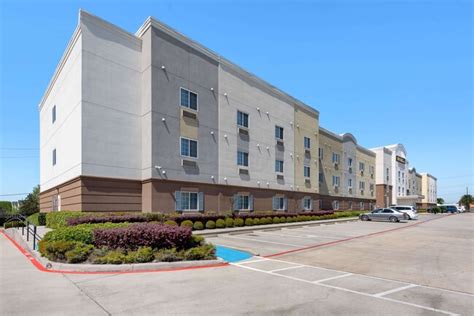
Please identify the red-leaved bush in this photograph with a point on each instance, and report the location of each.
(143, 235)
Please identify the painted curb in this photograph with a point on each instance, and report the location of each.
(65, 268)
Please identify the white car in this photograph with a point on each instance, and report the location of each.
(407, 209)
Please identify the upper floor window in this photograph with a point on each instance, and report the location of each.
(350, 183)
(242, 158)
(320, 153)
(54, 156)
(307, 171)
(361, 166)
(279, 132)
(278, 165)
(242, 119)
(189, 99)
(388, 173)
(53, 114)
(335, 158)
(335, 180)
(307, 143)
(189, 147)
(349, 162)
(362, 185)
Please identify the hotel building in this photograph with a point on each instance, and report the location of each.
(154, 121)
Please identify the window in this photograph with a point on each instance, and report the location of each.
(335, 158)
(361, 166)
(307, 143)
(242, 158)
(307, 171)
(279, 132)
(388, 173)
(320, 153)
(279, 203)
(307, 204)
(371, 187)
(189, 148)
(361, 206)
(189, 99)
(350, 183)
(189, 201)
(242, 119)
(54, 156)
(243, 202)
(335, 180)
(335, 205)
(350, 205)
(362, 185)
(321, 177)
(349, 162)
(53, 114)
(278, 165)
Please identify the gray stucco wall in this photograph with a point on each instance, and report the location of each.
(187, 68)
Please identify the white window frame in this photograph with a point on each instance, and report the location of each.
(335, 205)
(309, 171)
(335, 157)
(54, 157)
(335, 181)
(189, 198)
(189, 99)
(277, 164)
(280, 199)
(310, 207)
(237, 120)
(244, 152)
(181, 138)
(282, 129)
(361, 166)
(361, 205)
(304, 142)
(53, 114)
(241, 198)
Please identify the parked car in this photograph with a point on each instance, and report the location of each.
(451, 209)
(384, 214)
(407, 209)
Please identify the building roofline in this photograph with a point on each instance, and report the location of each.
(428, 175)
(340, 138)
(152, 22)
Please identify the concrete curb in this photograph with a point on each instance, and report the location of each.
(119, 268)
(246, 229)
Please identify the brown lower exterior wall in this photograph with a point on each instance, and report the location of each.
(425, 206)
(153, 195)
(383, 195)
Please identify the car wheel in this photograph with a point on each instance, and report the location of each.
(406, 216)
(364, 218)
(393, 219)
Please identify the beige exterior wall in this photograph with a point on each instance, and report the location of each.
(306, 125)
(367, 176)
(330, 144)
(429, 188)
(418, 180)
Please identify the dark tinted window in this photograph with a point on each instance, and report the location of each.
(387, 211)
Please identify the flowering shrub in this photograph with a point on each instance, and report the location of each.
(134, 236)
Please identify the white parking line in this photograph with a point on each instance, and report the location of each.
(398, 289)
(283, 269)
(299, 236)
(263, 241)
(333, 278)
(347, 290)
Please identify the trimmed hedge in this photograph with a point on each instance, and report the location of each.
(37, 219)
(82, 233)
(143, 235)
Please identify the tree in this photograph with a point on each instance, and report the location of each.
(439, 201)
(30, 205)
(466, 200)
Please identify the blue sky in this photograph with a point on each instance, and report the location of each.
(386, 71)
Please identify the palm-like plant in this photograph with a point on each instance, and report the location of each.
(466, 200)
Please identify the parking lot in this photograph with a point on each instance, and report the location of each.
(422, 267)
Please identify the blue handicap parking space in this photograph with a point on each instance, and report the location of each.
(232, 255)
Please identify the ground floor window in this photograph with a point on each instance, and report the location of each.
(189, 201)
(350, 205)
(307, 204)
(243, 202)
(335, 205)
(280, 203)
(362, 205)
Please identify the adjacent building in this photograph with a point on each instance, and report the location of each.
(429, 190)
(156, 122)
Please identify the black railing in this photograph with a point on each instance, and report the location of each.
(26, 227)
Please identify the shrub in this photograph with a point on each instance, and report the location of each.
(143, 235)
(59, 219)
(210, 224)
(198, 225)
(169, 255)
(283, 219)
(56, 250)
(238, 222)
(112, 257)
(205, 252)
(141, 255)
(220, 223)
(82, 233)
(106, 218)
(79, 253)
(13, 224)
(276, 220)
(170, 223)
(248, 222)
(256, 221)
(187, 223)
(37, 219)
(196, 241)
(229, 222)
